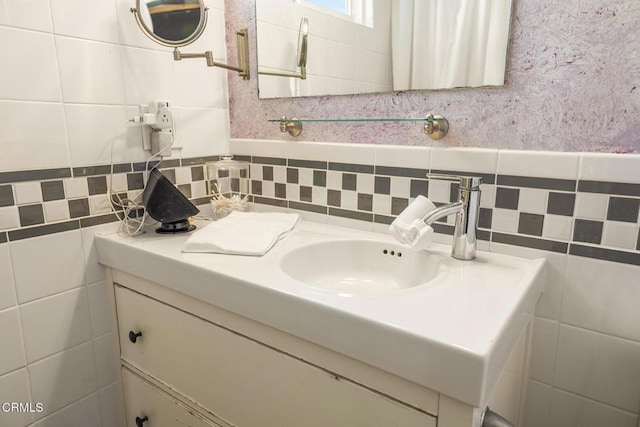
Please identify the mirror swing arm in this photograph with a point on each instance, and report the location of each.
(243, 56)
(242, 38)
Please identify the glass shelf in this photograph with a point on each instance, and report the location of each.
(420, 119)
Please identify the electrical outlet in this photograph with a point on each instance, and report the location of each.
(154, 116)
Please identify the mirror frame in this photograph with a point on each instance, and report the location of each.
(170, 43)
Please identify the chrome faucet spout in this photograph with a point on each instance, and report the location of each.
(443, 211)
(467, 210)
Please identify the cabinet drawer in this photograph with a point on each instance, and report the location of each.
(243, 381)
(142, 400)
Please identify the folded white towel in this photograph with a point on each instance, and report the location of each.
(242, 233)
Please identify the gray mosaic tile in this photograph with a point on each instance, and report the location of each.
(561, 203)
(308, 207)
(292, 176)
(632, 258)
(623, 209)
(97, 185)
(79, 208)
(6, 196)
(453, 192)
(267, 173)
(34, 175)
(276, 161)
(587, 231)
(334, 197)
(485, 218)
(365, 202)
(135, 181)
(382, 185)
(617, 188)
(51, 190)
(419, 187)
(309, 164)
(349, 181)
(398, 204)
(320, 178)
(530, 224)
(306, 194)
(170, 174)
(31, 215)
(185, 189)
(507, 198)
(530, 242)
(43, 230)
(343, 213)
(197, 173)
(256, 187)
(281, 190)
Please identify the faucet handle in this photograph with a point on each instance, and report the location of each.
(465, 182)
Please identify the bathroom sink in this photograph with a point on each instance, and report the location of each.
(355, 267)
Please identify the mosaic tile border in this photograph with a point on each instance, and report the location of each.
(576, 217)
(40, 202)
(549, 214)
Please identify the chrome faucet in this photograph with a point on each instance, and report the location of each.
(466, 209)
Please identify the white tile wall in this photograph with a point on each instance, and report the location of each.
(76, 75)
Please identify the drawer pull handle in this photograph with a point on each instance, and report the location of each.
(140, 421)
(133, 337)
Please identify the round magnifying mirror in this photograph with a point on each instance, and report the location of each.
(303, 35)
(173, 23)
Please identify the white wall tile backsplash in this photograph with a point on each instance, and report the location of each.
(76, 75)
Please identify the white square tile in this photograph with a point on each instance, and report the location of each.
(539, 164)
(280, 174)
(599, 367)
(505, 220)
(32, 77)
(94, 272)
(12, 356)
(382, 204)
(76, 188)
(14, 387)
(57, 270)
(102, 313)
(72, 18)
(349, 200)
(591, 206)
(30, 14)
(557, 227)
(305, 177)
(366, 183)
(91, 72)
(610, 167)
(64, 378)
(403, 157)
(360, 154)
(334, 180)
(202, 131)
(9, 218)
(268, 189)
(27, 192)
(199, 189)
(293, 192)
(57, 210)
(439, 191)
(602, 296)
(148, 75)
(112, 406)
(319, 196)
(255, 171)
(93, 128)
(74, 415)
(536, 408)
(464, 160)
(105, 351)
(33, 147)
(69, 311)
(7, 289)
(200, 86)
(99, 204)
(487, 196)
(543, 350)
(401, 187)
(570, 410)
(533, 200)
(620, 235)
(117, 182)
(183, 175)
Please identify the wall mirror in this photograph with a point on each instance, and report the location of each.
(178, 23)
(369, 46)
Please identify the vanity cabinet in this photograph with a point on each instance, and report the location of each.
(187, 362)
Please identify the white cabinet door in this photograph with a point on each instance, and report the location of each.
(149, 407)
(244, 381)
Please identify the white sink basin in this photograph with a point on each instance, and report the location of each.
(357, 267)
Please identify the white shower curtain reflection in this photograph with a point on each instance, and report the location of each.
(449, 43)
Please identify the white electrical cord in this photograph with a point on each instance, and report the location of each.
(127, 207)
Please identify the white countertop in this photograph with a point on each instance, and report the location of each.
(452, 335)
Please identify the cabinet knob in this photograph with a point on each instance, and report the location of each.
(133, 337)
(140, 421)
